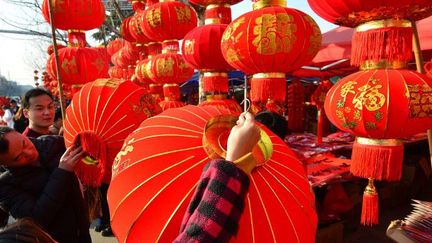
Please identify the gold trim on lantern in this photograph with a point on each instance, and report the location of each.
(170, 85)
(376, 24)
(166, 1)
(268, 75)
(212, 21)
(216, 97)
(212, 6)
(268, 3)
(75, 31)
(215, 74)
(378, 142)
(383, 64)
(77, 85)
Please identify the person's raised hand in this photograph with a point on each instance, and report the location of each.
(242, 139)
(71, 157)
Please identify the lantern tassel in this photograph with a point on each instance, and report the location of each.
(377, 158)
(391, 44)
(93, 166)
(370, 207)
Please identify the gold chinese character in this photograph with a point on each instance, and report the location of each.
(189, 47)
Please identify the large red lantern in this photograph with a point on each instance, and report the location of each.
(271, 40)
(383, 27)
(379, 107)
(352, 13)
(200, 48)
(169, 68)
(157, 170)
(125, 30)
(168, 20)
(75, 14)
(79, 65)
(100, 116)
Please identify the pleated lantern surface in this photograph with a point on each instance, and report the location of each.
(158, 168)
(100, 116)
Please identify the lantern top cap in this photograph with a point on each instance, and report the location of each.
(259, 4)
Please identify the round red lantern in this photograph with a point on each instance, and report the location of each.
(168, 20)
(116, 72)
(200, 48)
(75, 14)
(135, 27)
(156, 172)
(351, 13)
(169, 68)
(214, 2)
(125, 31)
(271, 40)
(101, 115)
(114, 46)
(79, 65)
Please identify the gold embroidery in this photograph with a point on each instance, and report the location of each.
(153, 17)
(369, 97)
(189, 47)
(164, 67)
(315, 39)
(274, 33)
(183, 14)
(347, 88)
(110, 82)
(69, 66)
(420, 101)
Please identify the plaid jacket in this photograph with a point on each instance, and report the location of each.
(213, 214)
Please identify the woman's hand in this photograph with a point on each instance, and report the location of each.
(71, 157)
(242, 139)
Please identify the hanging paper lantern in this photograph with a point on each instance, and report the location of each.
(214, 2)
(135, 27)
(169, 68)
(143, 77)
(79, 65)
(156, 172)
(75, 14)
(351, 13)
(101, 115)
(383, 27)
(125, 31)
(116, 72)
(168, 21)
(271, 40)
(114, 46)
(220, 101)
(200, 48)
(171, 94)
(50, 49)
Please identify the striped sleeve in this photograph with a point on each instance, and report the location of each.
(214, 212)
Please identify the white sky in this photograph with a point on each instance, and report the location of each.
(17, 52)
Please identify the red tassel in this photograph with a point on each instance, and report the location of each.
(215, 82)
(387, 43)
(168, 104)
(377, 158)
(264, 88)
(370, 208)
(93, 166)
(295, 106)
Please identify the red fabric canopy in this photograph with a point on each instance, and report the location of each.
(336, 43)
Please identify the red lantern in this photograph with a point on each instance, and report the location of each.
(214, 2)
(143, 77)
(271, 40)
(220, 101)
(102, 114)
(114, 46)
(169, 68)
(50, 49)
(125, 31)
(168, 21)
(171, 94)
(201, 48)
(351, 13)
(75, 14)
(156, 172)
(79, 65)
(135, 27)
(116, 72)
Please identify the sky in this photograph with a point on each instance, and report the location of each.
(18, 52)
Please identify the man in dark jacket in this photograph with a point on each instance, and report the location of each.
(38, 182)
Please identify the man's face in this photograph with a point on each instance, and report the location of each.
(40, 112)
(12, 105)
(21, 151)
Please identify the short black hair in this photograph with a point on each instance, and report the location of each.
(58, 114)
(273, 121)
(4, 144)
(12, 102)
(34, 93)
